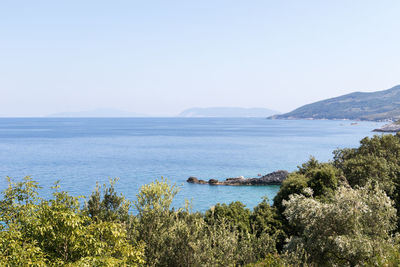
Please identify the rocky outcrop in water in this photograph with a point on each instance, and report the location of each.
(273, 178)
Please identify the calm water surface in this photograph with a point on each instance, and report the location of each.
(79, 152)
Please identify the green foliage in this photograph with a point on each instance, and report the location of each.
(362, 169)
(19, 200)
(57, 232)
(252, 248)
(352, 228)
(265, 219)
(270, 260)
(15, 250)
(155, 218)
(155, 197)
(309, 165)
(235, 214)
(107, 242)
(105, 205)
(180, 242)
(322, 177)
(221, 237)
(251, 236)
(323, 180)
(377, 160)
(219, 245)
(294, 184)
(110, 206)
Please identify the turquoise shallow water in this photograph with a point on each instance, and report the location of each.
(79, 152)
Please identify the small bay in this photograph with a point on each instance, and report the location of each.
(80, 151)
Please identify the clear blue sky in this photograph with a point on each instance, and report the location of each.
(160, 57)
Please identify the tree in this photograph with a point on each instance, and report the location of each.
(155, 217)
(180, 238)
(58, 232)
(235, 214)
(108, 206)
(294, 184)
(354, 227)
(265, 218)
(376, 160)
(323, 180)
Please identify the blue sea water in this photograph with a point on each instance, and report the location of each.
(81, 151)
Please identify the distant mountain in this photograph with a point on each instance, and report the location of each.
(97, 113)
(227, 112)
(375, 106)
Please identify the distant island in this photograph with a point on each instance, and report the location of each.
(97, 113)
(227, 112)
(375, 106)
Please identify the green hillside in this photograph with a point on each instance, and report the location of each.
(375, 106)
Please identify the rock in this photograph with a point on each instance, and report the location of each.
(273, 178)
(213, 181)
(193, 180)
(276, 177)
(234, 179)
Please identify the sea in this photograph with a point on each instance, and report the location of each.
(78, 152)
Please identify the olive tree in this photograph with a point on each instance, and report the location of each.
(354, 227)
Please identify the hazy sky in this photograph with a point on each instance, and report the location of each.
(160, 57)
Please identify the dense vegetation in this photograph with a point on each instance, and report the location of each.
(340, 213)
(381, 105)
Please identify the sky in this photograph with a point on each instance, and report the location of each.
(161, 57)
